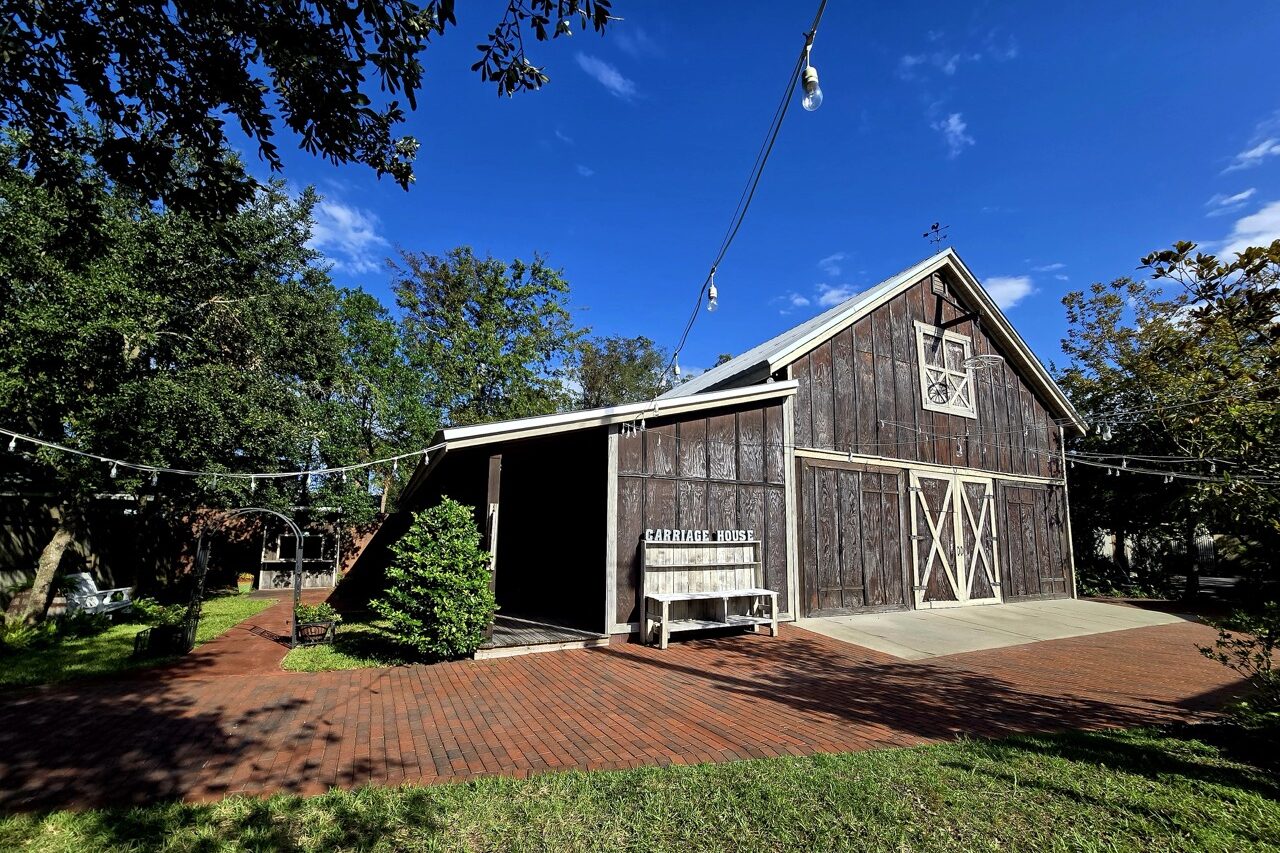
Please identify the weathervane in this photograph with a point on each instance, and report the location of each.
(937, 234)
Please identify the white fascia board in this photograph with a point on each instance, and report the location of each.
(856, 312)
(989, 310)
(460, 437)
(1025, 354)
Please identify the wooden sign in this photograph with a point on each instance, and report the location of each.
(668, 535)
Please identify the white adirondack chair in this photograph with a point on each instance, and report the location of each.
(83, 595)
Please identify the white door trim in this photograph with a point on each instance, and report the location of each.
(960, 567)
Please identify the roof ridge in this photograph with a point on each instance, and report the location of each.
(758, 354)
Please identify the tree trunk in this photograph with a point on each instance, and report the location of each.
(1120, 557)
(1192, 588)
(36, 608)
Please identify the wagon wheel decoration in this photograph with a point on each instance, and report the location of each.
(939, 392)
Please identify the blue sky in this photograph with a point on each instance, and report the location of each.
(1060, 143)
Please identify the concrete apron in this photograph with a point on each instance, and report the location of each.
(920, 634)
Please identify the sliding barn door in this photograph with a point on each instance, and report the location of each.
(851, 540)
(953, 540)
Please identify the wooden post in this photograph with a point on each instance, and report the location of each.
(491, 525)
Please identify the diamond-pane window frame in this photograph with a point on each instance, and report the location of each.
(935, 374)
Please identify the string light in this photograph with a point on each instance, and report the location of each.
(13, 444)
(117, 464)
(708, 287)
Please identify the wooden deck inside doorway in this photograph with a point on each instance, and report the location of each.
(513, 635)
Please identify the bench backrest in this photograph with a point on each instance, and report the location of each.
(700, 566)
(79, 585)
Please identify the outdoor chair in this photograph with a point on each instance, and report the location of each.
(83, 596)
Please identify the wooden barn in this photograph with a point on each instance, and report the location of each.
(904, 449)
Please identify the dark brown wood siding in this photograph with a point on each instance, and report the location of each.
(703, 472)
(1031, 527)
(852, 538)
(860, 391)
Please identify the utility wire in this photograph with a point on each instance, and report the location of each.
(748, 193)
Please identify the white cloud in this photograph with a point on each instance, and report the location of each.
(790, 302)
(1264, 143)
(1008, 290)
(955, 132)
(608, 76)
(834, 294)
(1256, 229)
(636, 43)
(1061, 277)
(831, 263)
(564, 137)
(1253, 156)
(348, 236)
(585, 171)
(1222, 204)
(907, 65)
(1049, 267)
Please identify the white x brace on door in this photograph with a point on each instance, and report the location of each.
(953, 540)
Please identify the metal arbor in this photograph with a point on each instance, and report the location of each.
(202, 563)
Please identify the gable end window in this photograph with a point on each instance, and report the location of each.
(946, 385)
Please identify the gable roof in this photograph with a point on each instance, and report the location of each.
(760, 362)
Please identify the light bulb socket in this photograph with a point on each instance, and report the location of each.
(810, 79)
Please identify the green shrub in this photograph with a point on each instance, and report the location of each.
(1248, 642)
(151, 612)
(322, 612)
(16, 636)
(82, 624)
(438, 599)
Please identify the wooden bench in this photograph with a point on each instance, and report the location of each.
(692, 586)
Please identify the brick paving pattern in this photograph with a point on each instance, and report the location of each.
(227, 720)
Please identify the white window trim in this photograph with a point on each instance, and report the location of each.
(922, 366)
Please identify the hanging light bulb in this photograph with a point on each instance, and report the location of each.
(675, 365)
(13, 444)
(713, 296)
(1106, 432)
(1213, 467)
(809, 79)
(155, 477)
(115, 469)
(253, 485)
(395, 467)
(812, 91)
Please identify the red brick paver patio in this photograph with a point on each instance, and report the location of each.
(201, 730)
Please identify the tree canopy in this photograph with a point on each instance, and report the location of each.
(1181, 369)
(146, 88)
(493, 339)
(613, 370)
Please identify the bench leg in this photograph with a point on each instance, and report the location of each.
(644, 621)
(773, 615)
(666, 624)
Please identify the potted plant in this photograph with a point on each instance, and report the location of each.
(315, 623)
(172, 631)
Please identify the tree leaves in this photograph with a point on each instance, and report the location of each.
(155, 77)
(492, 339)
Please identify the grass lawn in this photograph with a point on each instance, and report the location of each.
(112, 650)
(1205, 788)
(360, 643)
